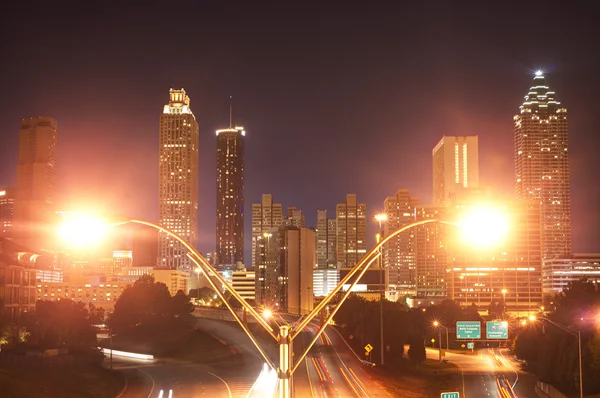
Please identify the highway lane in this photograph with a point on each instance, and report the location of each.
(329, 370)
(332, 378)
(487, 371)
(340, 373)
(231, 378)
(173, 378)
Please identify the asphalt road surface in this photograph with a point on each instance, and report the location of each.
(485, 371)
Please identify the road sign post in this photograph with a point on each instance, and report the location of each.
(468, 330)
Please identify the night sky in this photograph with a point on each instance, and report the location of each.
(335, 99)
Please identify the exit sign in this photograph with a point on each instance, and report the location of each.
(449, 395)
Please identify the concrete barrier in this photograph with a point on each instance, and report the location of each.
(545, 390)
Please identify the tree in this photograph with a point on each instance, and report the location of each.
(496, 309)
(416, 351)
(181, 306)
(148, 302)
(63, 323)
(204, 293)
(553, 352)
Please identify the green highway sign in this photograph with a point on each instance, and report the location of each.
(450, 395)
(468, 330)
(496, 330)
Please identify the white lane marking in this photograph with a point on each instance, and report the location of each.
(151, 379)
(513, 369)
(224, 382)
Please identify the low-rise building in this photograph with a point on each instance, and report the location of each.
(243, 282)
(557, 273)
(175, 279)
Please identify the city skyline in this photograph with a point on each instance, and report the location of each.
(363, 165)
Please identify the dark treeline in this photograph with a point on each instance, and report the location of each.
(551, 353)
(359, 322)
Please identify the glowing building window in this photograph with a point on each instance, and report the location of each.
(456, 169)
(465, 180)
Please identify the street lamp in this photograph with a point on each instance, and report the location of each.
(573, 333)
(267, 313)
(381, 218)
(438, 326)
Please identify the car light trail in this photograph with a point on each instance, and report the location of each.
(127, 354)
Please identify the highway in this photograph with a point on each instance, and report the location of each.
(490, 372)
(329, 370)
(184, 379)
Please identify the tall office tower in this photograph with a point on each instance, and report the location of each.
(265, 216)
(508, 272)
(178, 180)
(36, 175)
(7, 211)
(289, 257)
(455, 167)
(399, 253)
(351, 233)
(230, 196)
(542, 164)
(294, 218)
(326, 241)
(430, 253)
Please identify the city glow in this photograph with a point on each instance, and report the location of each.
(483, 227)
(82, 230)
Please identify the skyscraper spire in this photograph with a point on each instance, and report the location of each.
(230, 111)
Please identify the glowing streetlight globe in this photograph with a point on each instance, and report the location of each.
(82, 230)
(483, 227)
(381, 217)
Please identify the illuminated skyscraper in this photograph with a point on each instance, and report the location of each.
(542, 165)
(455, 167)
(178, 180)
(288, 257)
(430, 253)
(7, 211)
(351, 239)
(36, 175)
(230, 196)
(399, 253)
(326, 241)
(294, 218)
(265, 216)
